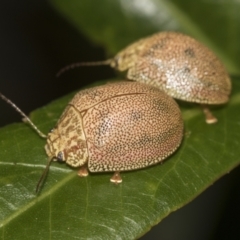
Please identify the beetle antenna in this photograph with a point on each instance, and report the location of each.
(26, 118)
(81, 64)
(43, 176)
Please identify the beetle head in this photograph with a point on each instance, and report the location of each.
(67, 142)
(128, 57)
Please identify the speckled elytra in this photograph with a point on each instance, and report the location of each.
(177, 64)
(115, 127)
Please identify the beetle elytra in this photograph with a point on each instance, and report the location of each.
(115, 127)
(177, 64)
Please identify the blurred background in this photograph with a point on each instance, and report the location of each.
(35, 42)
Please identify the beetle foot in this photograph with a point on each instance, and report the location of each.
(116, 178)
(210, 118)
(83, 171)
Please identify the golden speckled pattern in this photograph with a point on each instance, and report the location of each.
(177, 64)
(67, 140)
(126, 125)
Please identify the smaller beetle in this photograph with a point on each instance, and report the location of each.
(116, 127)
(177, 64)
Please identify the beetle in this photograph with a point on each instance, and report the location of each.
(116, 127)
(177, 64)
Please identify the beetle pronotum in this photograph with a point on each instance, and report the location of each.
(115, 127)
(177, 64)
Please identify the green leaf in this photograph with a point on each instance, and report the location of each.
(70, 207)
(117, 23)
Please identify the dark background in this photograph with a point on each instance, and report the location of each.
(35, 42)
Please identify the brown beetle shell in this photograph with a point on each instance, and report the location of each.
(117, 127)
(177, 64)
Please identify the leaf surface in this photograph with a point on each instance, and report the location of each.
(70, 207)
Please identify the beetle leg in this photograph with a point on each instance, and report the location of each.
(83, 171)
(208, 115)
(116, 178)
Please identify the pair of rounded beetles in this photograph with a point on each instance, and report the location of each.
(134, 124)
